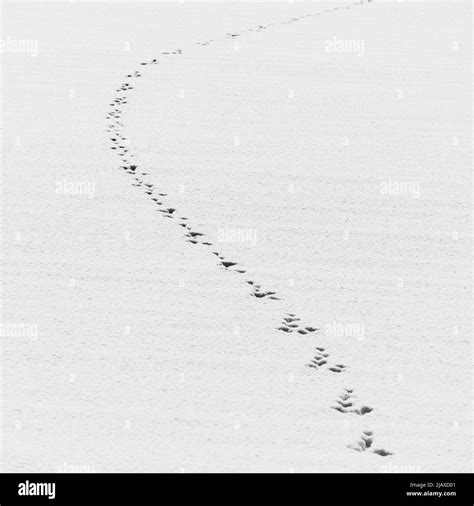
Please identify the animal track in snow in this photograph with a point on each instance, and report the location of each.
(290, 324)
(347, 404)
(168, 211)
(228, 264)
(259, 294)
(365, 443)
(338, 368)
(319, 359)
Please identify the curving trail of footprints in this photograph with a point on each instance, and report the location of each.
(290, 322)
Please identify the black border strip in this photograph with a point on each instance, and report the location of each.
(241, 489)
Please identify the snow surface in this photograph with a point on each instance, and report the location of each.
(150, 355)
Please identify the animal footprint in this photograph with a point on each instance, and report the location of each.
(194, 234)
(346, 404)
(167, 212)
(260, 295)
(338, 368)
(290, 324)
(319, 359)
(225, 263)
(365, 443)
(228, 264)
(382, 452)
